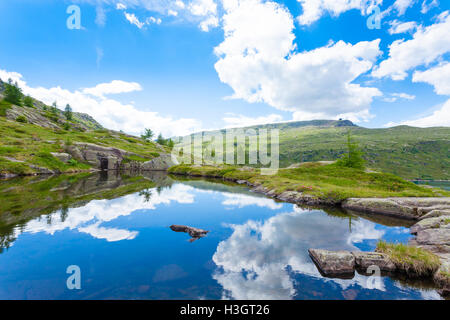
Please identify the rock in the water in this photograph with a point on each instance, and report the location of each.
(334, 263)
(195, 233)
(364, 260)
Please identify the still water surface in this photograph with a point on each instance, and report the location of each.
(116, 229)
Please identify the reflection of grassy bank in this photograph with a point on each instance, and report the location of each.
(23, 199)
(328, 182)
(22, 195)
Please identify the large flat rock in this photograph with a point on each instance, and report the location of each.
(365, 260)
(334, 263)
(407, 208)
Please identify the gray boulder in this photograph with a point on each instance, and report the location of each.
(61, 156)
(364, 260)
(333, 263)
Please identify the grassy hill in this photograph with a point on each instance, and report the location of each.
(409, 152)
(30, 134)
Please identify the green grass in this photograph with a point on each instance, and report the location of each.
(411, 259)
(329, 182)
(4, 105)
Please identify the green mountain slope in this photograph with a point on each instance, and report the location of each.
(409, 152)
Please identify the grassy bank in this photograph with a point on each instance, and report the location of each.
(331, 183)
(413, 260)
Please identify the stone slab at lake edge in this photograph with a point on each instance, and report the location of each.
(407, 207)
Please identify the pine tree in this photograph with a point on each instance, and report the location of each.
(13, 93)
(68, 112)
(54, 108)
(161, 140)
(354, 156)
(148, 135)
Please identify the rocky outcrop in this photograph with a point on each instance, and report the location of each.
(432, 233)
(32, 116)
(408, 208)
(109, 158)
(61, 156)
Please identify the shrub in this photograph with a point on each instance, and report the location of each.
(66, 126)
(22, 119)
(28, 101)
(354, 156)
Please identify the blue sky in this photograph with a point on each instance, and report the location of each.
(186, 65)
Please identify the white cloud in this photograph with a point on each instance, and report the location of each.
(110, 113)
(121, 6)
(402, 5)
(113, 87)
(404, 96)
(172, 13)
(209, 23)
(203, 7)
(427, 45)
(180, 4)
(401, 27)
(438, 76)
(236, 121)
(439, 118)
(395, 96)
(257, 59)
(207, 10)
(427, 5)
(131, 17)
(100, 16)
(314, 9)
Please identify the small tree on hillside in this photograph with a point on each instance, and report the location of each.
(161, 140)
(54, 108)
(148, 135)
(28, 101)
(68, 112)
(13, 93)
(354, 156)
